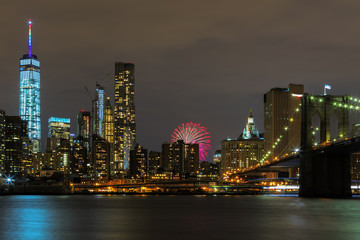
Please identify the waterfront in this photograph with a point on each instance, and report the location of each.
(177, 217)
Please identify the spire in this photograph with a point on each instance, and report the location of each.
(250, 118)
(30, 43)
(250, 130)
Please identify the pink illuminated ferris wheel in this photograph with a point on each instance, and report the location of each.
(194, 133)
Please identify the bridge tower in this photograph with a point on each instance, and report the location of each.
(322, 105)
(324, 173)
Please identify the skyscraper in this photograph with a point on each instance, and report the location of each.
(108, 124)
(2, 140)
(243, 152)
(281, 109)
(79, 161)
(138, 162)
(99, 110)
(59, 129)
(124, 122)
(108, 131)
(101, 157)
(15, 134)
(180, 158)
(29, 109)
(83, 128)
(154, 162)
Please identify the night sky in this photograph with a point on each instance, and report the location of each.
(202, 61)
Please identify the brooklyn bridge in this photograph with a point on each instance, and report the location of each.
(324, 163)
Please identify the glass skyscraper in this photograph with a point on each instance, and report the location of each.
(29, 109)
(124, 113)
(83, 128)
(99, 110)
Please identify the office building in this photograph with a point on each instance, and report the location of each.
(100, 157)
(181, 159)
(79, 158)
(47, 161)
(108, 131)
(59, 129)
(2, 141)
(217, 156)
(208, 171)
(282, 109)
(108, 123)
(29, 101)
(154, 163)
(99, 110)
(243, 152)
(83, 127)
(138, 162)
(15, 134)
(65, 152)
(124, 116)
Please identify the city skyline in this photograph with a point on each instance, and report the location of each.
(203, 74)
(190, 119)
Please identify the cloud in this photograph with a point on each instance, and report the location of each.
(205, 61)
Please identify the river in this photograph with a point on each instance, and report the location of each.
(177, 217)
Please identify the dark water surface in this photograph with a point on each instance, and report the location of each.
(177, 217)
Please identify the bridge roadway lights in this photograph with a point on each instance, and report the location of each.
(325, 174)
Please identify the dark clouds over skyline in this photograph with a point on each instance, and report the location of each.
(200, 61)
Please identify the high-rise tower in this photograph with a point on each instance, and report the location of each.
(124, 112)
(108, 131)
(29, 109)
(99, 110)
(243, 152)
(280, 110)
(108, 126)
(59, 130)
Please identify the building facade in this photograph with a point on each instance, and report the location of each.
(282, 119)
(243, 152)
(154, 163)
(108, 123)
(217, 156)
(100, 157)
(2, 141)
(99, 110)
(29, 101)
(59, 129)
(108, 131)
(138, 162)
(84, 127)
(47, 161)
(181, 159)
(15, 153)
(79, 159)
(124, 116)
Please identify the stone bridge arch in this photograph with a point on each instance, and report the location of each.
(322, 105)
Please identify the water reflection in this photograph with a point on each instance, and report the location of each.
(178, 217)
(27, 217)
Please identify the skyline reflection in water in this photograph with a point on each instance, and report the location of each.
(178, 217)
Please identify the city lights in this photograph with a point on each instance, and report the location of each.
(194, 133)
(29, 104)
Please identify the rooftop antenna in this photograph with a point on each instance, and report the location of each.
(30, 37)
